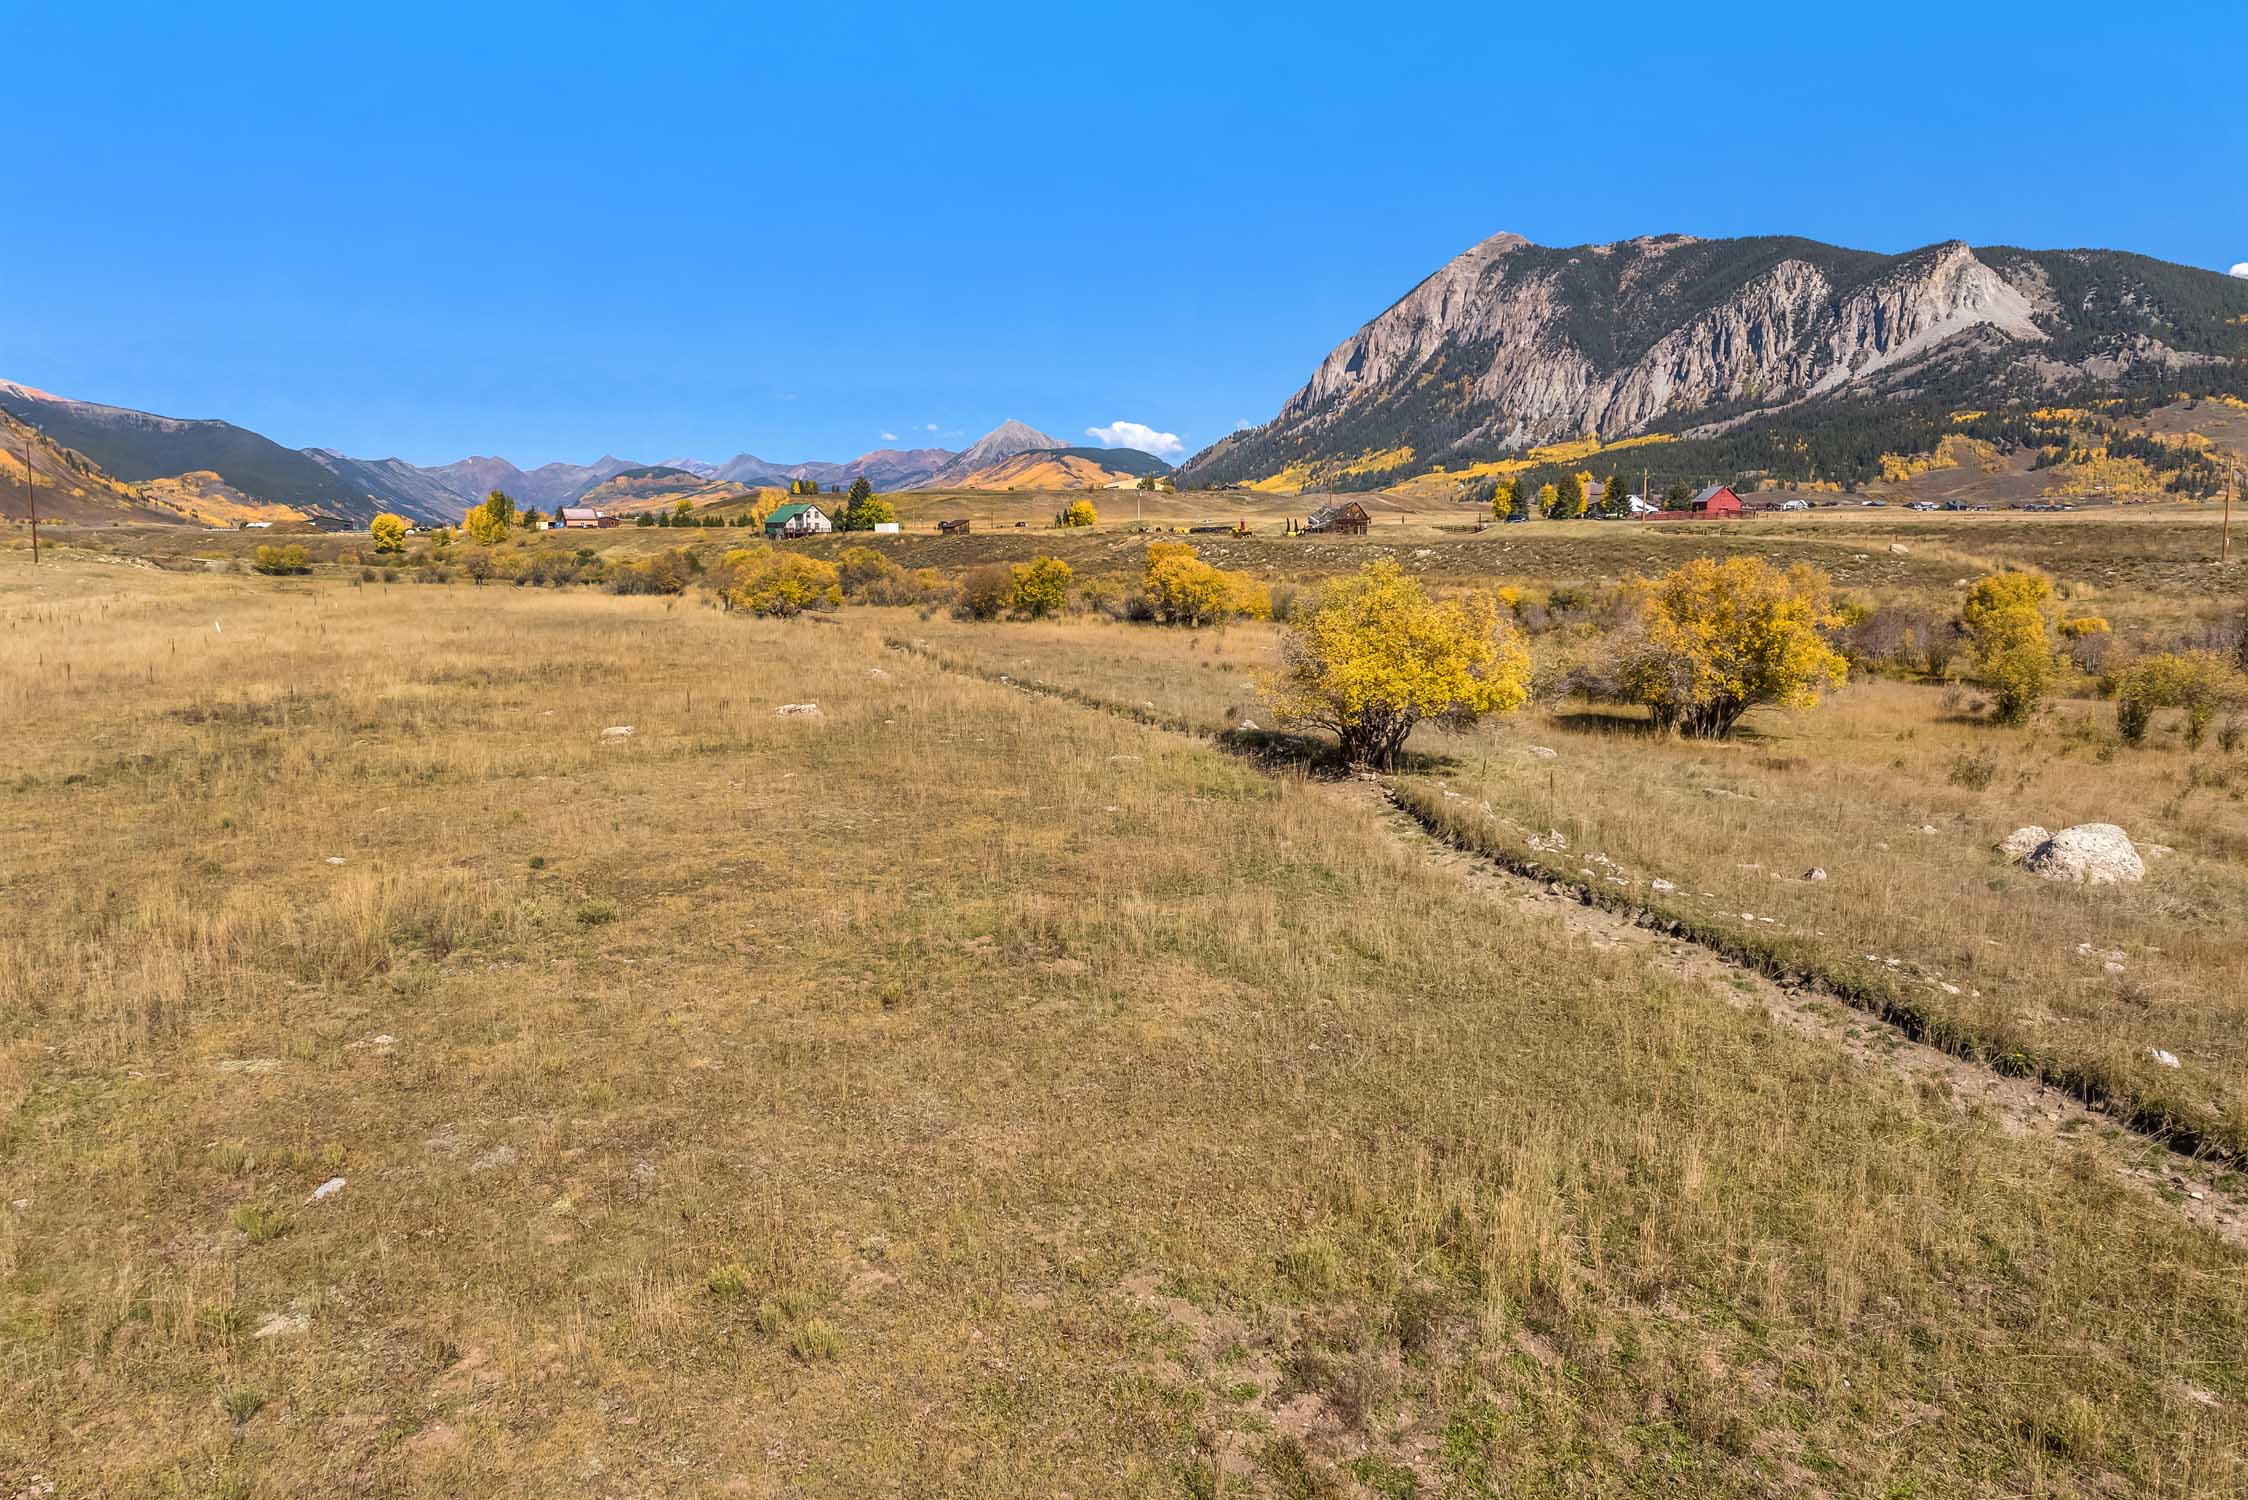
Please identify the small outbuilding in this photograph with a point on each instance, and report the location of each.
(585, 518)
(800, 519)
(957, 526)
(1346, 519)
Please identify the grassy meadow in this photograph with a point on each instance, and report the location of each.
(965, 1091)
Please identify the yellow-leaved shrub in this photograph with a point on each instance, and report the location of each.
(1720, 636)
(1373, 656)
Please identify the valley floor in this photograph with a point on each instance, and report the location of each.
(971, 1091)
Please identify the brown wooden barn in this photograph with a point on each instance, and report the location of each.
(1346, 519)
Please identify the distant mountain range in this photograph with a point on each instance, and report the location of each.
(1775, 355)
(97, 462)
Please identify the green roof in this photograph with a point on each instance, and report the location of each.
(783, 514)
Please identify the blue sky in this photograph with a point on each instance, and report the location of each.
(551, 231)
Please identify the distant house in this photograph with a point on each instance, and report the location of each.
(327, 523)
(585, 518)
(1717, 500)
(957, 526)
(257, 525)
(1346, 519)
(799, 519)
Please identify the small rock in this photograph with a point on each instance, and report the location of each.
(1816, 872)
(1927, 828)
(282, 1325)
(335, 859)
(1661, 885)
(1898, 549)
(2167, 1059)
(798, 711)
(248, 1065)
(328, 1189)
(498, 1156)
(1545, 752)
(19, 1204)
(2089, 854)
(617, 732)
(876, 672)
(1249, 726)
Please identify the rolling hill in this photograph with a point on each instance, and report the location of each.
(1782, 355)
(661, 487)
(137, 446)
(1002, 442)
(69, 486)
(1063, 469)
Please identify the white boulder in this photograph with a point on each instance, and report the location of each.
(2090, 854)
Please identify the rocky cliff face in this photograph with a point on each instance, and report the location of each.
(1514, 344)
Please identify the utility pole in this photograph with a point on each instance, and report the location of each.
(2224, 537)
(31, 498)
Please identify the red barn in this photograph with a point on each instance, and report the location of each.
(1717, 500)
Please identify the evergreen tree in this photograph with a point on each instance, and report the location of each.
(1568, 498)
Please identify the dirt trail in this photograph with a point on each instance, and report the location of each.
(2022, 1106)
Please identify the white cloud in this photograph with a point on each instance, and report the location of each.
(889, 437)
(2241, 270)
(1138, 435)
(931, 427)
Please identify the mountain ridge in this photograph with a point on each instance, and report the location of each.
(1510, 345)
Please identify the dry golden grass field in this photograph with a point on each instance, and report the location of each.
(978, 1091)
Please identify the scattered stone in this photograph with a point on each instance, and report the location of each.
(1898, 549)
(282, 1325)
(1662, 885)
(498, 1156)
(328, 1189)
(19, 1204)
(616, 732)
(335, 859)
(798, 711)
(2023, 842)
(248, 1065)
(2167, 1059)
(2113, 967)
(1545, 752)
(1949, 989)
(1816, 872)
(1553, 841)
(2089, 854)
(1927, 828)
